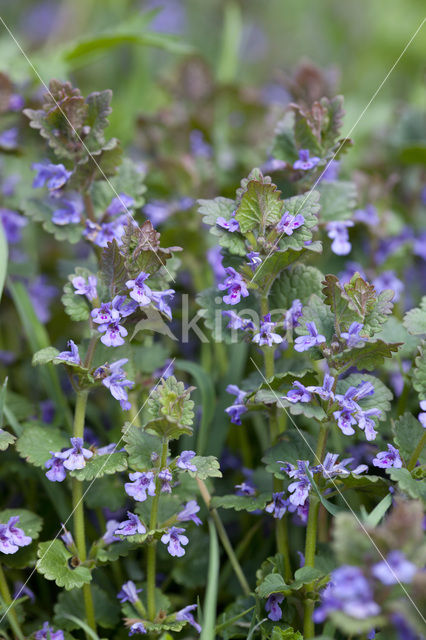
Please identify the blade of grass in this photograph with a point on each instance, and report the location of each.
(3, 259)
(210, 602)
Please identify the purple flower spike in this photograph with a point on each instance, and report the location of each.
(75, 458)
(303, 343)
(54, 176)
(56, 468)
(70, 356)
(174, 539)
(47, 633)
(128, 592)
(305, 162)
(130, 527)
(352, 337)
(396, 568)
(189, 512)
(266, 336)
(338, 232)
(139, 291)
(137, 627)
(289, 223)
(185, 614)
(183, 462)
(272, 606)
(142, 485)
(387, 459)
(235, 285)
(278, 506)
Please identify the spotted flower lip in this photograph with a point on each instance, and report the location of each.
(388, 459)
(288, 223)
(174, 538)
(141, 486)
(130, 527)
(305, 162)
(303, 343)
(236, 286)
(266, 336)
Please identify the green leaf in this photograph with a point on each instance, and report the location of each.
(306, 377)
(99, 109)
(241, 503)
(36, 443)
(415, 319)
(284, 147)
(170, 399)
(260, 207)
(129, 179)
(356, 626)
(222, 207)
(344, 309)
(43, 356)
(304, 135)
(42, 211)
(394, 331)
(273, 583)
(285, 634)
(166, 427)
(207, 467)
(377, 514)
(30, 522)
(292, 447)
(113, 270)
(407, 484)
(6, 439)
(338, 200)
(419, 375)
(408, 432)
(307, 204)
(107, 609)
(380, 399)
(377, 315)
(305, 575)
(369, 356)
(316, 311)
(76, 306)
(299, 282)
(3, 258)
(99, 466)
(140, 445)
(53, 564)
(277, 261)
(210, 601)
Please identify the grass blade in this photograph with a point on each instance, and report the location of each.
(210, 602)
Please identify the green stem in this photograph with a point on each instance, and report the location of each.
(152, 547)
(224, 539)
(311, 540)
(11, 614)
(416, 453)
(78, 507)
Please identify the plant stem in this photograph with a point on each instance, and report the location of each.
(311, 539)
(152, 547)
(416, 453)
(78, 507)
(11, 614)
(224, 539)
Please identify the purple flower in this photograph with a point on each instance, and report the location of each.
(352, 337)
(235, 285)
(128, 593)
(273, 608)
(351, 268)
(278, 506)
(331, 467)
(41, 294)
(303, 343)
(214, 258)
(292, 315)
(116, 382)
(109, 536)
(54, 176)
(254, 260)
(245, 489)
(174, 539)
(301, 487)
(20, 590)
(396, 568)
(114, 334)
(75, 458)
(236, 322)
(57, 472)
(102, 234)
(157, 211)
(16, 102)
(139, 291)
(289, 223)
(199, 146)
(422, 416)
(331, 171)
(189, 512)
(347, 591)
(388, 280)
(405, 632)
(121, 204)
(137, 627)
(166, 477)
(266, 335)
(70, 356)
(299, 394)
(305, 162)
(236, 410)
(47, 633)
(185, 614)
(12, 537)
(12, 224)
(367, 216)
(85, 287)
(105, 314)
(183, 462)
(345, 420)
(387, 459)
(9, 138)
(130, 527)
(69, 209)
(142, 485)
(366, 423)
(337, 230)
(157, 298)
(326, 391)
(230, 225)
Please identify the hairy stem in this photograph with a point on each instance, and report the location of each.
(152, 547)
(311, 540)
(11, 614)
(78, 507)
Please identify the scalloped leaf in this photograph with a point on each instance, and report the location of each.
(338, 199)
(415, 319)
(36, 443)
(76, 306)
(408, 432)
(222, 207)
(419, 374)
(43, 356)
(170, 399)
(284, 147)
(40, 211)
(107, 609)
(99, 466)
(273, 583)
(299, 282)
(277, 261)
(140, 445)
(369, 356)
(344, 309)
(241, 503)
(30, 522)
(407, 484)
(207, 467)
(99, 108)
(53, 564)
(6, 439)
(112, 268)
(260, 206)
